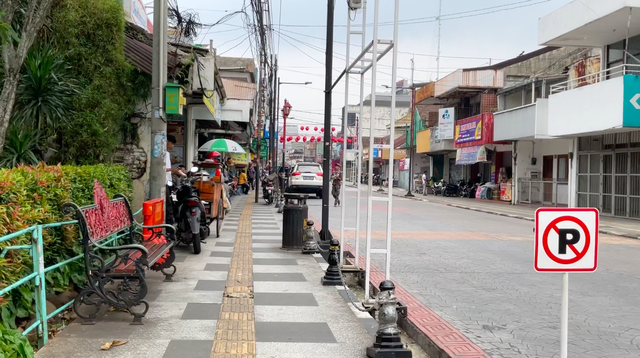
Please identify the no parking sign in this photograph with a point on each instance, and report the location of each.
(566, 240)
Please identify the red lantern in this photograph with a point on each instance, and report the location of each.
(321, 129)
(301, 128)
(349, 140)
(333, 129)
(289, 139)
(315, 129)
(297, 138)
(304, 139)
(319, 139)
(307, 128)
(281, 139)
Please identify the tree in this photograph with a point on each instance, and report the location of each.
(14, 51)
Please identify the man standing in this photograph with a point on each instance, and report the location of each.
(252, 176)
(424, 183)
(171, 141)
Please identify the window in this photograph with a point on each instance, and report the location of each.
(309, 169)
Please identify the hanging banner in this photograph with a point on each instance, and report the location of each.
(469, 131)
(471, 155)
(446, 118)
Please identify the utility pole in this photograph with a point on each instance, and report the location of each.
(439, 37)
(412, 131)
(157, 172)
(260, 122)
(326, 160)
(275, 96)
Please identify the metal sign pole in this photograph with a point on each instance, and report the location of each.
(344, 136)
(374, 71)
(359, 134)
(564, 318)
(394, 73)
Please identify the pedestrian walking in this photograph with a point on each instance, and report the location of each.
(252, 177)
(424, 183)
(336, 179)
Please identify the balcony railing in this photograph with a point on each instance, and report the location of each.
(597, 77)
(543, 192)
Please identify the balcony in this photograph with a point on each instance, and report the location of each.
(523, 123)
(603, 102)
(590, 23)
(463, 82)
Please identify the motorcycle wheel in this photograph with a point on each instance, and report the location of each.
(197, 245)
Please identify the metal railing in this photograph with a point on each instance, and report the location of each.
(543, 192)
(36, 251)
(597, 77)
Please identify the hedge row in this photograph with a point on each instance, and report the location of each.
(34, 195)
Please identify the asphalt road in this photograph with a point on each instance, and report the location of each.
(476, 271)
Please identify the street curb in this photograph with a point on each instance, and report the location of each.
(437, 337)
(602, 231)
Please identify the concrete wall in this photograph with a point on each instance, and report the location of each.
(551, 63)
(381, 121)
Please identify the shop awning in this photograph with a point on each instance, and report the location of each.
(471, 155)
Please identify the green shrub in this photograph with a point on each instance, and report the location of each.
(13, 344)
(34, 195)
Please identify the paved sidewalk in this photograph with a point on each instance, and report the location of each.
(241, 297)
(608, 225)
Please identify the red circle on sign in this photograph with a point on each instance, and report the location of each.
(553, 225)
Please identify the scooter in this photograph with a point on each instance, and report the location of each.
(450, 189)
(464, 189)
(268, 189)
(192, 223)
(438, 187)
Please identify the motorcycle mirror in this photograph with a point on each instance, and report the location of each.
(169, 182)
(195, 169)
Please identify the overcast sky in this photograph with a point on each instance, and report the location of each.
(475, 33)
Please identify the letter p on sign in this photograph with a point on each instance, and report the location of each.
(566, 240)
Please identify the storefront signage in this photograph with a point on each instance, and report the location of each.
(471, 155)
(469, 131)
(446, 118)
(239, 158)
(264, 147)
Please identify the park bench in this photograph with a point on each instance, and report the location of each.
(116, 273)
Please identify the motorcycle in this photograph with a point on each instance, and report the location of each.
(191, 220)
(450, 189)
(438, 187)
(464, 189)
(268, 189)
(232, 185)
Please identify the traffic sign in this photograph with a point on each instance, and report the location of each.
(566, 240)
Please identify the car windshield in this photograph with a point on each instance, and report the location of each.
(309, 169)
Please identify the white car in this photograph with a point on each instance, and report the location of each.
(306, 178)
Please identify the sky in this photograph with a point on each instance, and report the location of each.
(473, 33)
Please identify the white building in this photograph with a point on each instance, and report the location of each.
(599, 113)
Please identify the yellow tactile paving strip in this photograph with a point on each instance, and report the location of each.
(235, 332)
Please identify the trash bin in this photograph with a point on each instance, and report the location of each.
(295, 212)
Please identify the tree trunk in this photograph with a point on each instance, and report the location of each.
(7, 98)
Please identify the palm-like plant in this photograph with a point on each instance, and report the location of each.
(45, 89)
(19, 148)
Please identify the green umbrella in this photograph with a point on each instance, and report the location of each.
(222, 145)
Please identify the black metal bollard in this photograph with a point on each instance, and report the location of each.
(388, 342)
(332, 276)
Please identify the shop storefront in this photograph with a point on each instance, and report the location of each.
(608, 173)
(479, 158)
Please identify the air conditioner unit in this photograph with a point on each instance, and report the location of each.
(355, 4)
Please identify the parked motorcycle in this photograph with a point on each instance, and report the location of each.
(450, 189)
(191, 218)
(268, 188)
(464, 189)
(438, 187)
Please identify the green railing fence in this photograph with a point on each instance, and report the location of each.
(36, 250)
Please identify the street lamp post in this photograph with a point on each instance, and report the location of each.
(284, 135)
